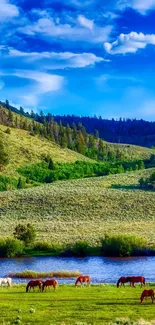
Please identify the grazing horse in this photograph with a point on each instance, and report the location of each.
(132, 280)
(140, 279)
(83, 279)
(124, 279)
(33, 284)
(7, 281)
(49, 283)
(147, 293)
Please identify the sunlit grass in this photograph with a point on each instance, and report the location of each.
(95, 305)
(83, 209)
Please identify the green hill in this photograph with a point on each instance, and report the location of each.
(23, 149)
(82, 209)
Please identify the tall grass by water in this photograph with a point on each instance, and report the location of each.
(29, 274)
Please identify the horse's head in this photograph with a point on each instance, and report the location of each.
(118, 282)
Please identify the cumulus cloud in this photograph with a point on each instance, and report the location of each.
(8, 10)
(84, 30)
(129, 43)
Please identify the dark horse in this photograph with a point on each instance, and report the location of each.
(33, 284)
(124, 279)
(49, 283)
(132, 280)
(82, 279)
(147, 293)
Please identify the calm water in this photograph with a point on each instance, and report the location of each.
(101, 270)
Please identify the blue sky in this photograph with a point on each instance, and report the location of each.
(83, 57)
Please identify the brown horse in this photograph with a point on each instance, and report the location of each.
(132, 280)
(33, 284)
(147, 293)
(124, 279)
(83, 279)
(140, 279)
(49, 283)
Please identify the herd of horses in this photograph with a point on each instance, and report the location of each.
(42, 285)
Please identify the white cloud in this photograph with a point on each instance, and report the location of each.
(42, 83)
(129, 43)
(7, 10)
(53, 60)
(83, 30)
(140, 5)
(45, 82)
(88, 23)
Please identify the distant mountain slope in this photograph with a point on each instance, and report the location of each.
(24, 148)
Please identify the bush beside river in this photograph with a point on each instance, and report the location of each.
(116, 246)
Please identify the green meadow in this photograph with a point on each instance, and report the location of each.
(97, 304)
(83, 209)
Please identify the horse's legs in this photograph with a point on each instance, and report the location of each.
(133, 284)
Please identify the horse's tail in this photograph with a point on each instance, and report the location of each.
(77, 280)
(118, 282)
(27, 287)
(144, 282)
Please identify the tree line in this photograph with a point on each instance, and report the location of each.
(72, 137)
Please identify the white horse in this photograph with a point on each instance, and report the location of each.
(7, 281)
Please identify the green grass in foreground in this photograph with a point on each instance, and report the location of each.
(98, 304)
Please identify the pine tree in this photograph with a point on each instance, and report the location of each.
(10, 118)
(51, 164)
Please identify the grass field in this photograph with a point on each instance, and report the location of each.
(82, 209)
(98, 304)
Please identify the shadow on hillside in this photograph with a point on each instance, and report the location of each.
(125, 187)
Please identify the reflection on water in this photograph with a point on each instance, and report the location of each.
(101, 270)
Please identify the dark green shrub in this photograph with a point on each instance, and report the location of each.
(8, 131)
(42, 246)
(122, 245)
(11, 247)
(25, 233)
(80, 248)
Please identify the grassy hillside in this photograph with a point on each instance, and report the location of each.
(82, 209)
(25, 149)
(95, 305)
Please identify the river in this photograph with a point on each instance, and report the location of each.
(101, 269)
